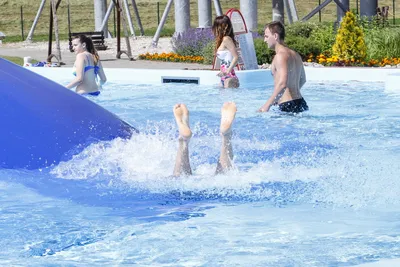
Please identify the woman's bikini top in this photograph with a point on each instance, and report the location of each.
(225, 56)
(95, 67)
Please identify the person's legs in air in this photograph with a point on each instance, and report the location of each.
(182, 163)
(228, 112)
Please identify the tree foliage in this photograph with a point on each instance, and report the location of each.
(350, 43)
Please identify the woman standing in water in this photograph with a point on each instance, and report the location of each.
(226, 52)
(87, 67)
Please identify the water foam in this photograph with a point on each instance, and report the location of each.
(327, 155)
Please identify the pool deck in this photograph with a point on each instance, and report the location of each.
(108, 59)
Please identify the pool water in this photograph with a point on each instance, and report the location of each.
(315, 189)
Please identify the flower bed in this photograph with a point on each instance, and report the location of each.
(171, 57)
(334, 61)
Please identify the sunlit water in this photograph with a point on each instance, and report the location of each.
(316, 189)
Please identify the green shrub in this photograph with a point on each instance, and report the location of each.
(367, 23)
(350, 44)
(263, 53)
(383, 43)
(301, 29)
(324, 35)
(303, 46)
(208, 53)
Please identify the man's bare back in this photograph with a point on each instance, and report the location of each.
(295, 73)
(288, 71)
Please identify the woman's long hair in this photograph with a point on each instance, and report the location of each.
(222, 27)
(89, 46)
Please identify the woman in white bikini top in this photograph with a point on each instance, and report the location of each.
(225, 44)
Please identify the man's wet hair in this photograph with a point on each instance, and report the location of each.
(276, 27)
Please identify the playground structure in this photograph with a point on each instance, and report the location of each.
(248, 9)
(121, 18)
(182, 13)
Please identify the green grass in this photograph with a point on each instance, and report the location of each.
(45, 37)
(36, 38)
(16, 60)
(82, 15)
(165, 32)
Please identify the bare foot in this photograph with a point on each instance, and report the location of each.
(181, 114)
(228, 112)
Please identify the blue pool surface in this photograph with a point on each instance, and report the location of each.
(315, 189)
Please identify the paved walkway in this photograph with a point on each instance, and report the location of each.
(108, 59)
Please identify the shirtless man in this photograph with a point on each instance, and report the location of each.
(182, 163)
(288, 71)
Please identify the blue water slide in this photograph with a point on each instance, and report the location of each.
(43, 123)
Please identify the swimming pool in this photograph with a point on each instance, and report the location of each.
(316, 189)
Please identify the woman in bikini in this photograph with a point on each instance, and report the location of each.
(88, 71)
(225, 45)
